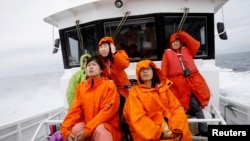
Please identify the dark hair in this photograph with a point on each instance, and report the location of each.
(98, 61)
(155, 79)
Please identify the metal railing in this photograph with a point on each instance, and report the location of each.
(54, 119)
(23, 130)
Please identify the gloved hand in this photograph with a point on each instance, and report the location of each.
(176, 134)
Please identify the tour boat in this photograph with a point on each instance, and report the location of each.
(146, 23)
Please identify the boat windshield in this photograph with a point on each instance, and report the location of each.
(144, 37)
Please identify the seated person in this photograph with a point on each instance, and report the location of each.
(76, 78)
(94, 114)
(151, 109)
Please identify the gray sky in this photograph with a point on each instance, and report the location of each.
(27, 41)
(237, 23)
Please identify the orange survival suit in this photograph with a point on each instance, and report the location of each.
(116, 70)
(96, 101)
(174, 62)
(146, 108)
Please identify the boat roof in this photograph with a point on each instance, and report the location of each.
(68, 11)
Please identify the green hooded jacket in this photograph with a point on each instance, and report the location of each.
(75, 79)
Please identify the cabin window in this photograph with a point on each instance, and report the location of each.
(137, 37)
(195, 26)
(78, 44)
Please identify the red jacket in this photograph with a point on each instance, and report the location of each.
(171, 68)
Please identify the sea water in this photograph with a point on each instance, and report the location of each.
(27, 95)
(235, 76)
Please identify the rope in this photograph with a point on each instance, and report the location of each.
(124, 18)
(186, 10)
(79, 35)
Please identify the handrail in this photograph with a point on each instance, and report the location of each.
(193, 120)
(20, 130)
(219, 119)
(8, 134)
(219, 115)
(47, 121)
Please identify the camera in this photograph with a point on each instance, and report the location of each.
(186, 72)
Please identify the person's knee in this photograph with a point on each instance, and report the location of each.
(77, 128)
(100, 128)
(101, 133)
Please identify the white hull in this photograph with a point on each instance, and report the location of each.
(233, 112)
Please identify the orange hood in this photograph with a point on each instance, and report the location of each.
(106, 39)
(146, 64)
(174, 37)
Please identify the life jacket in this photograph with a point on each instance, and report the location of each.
(185, 62)
(184, 86)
